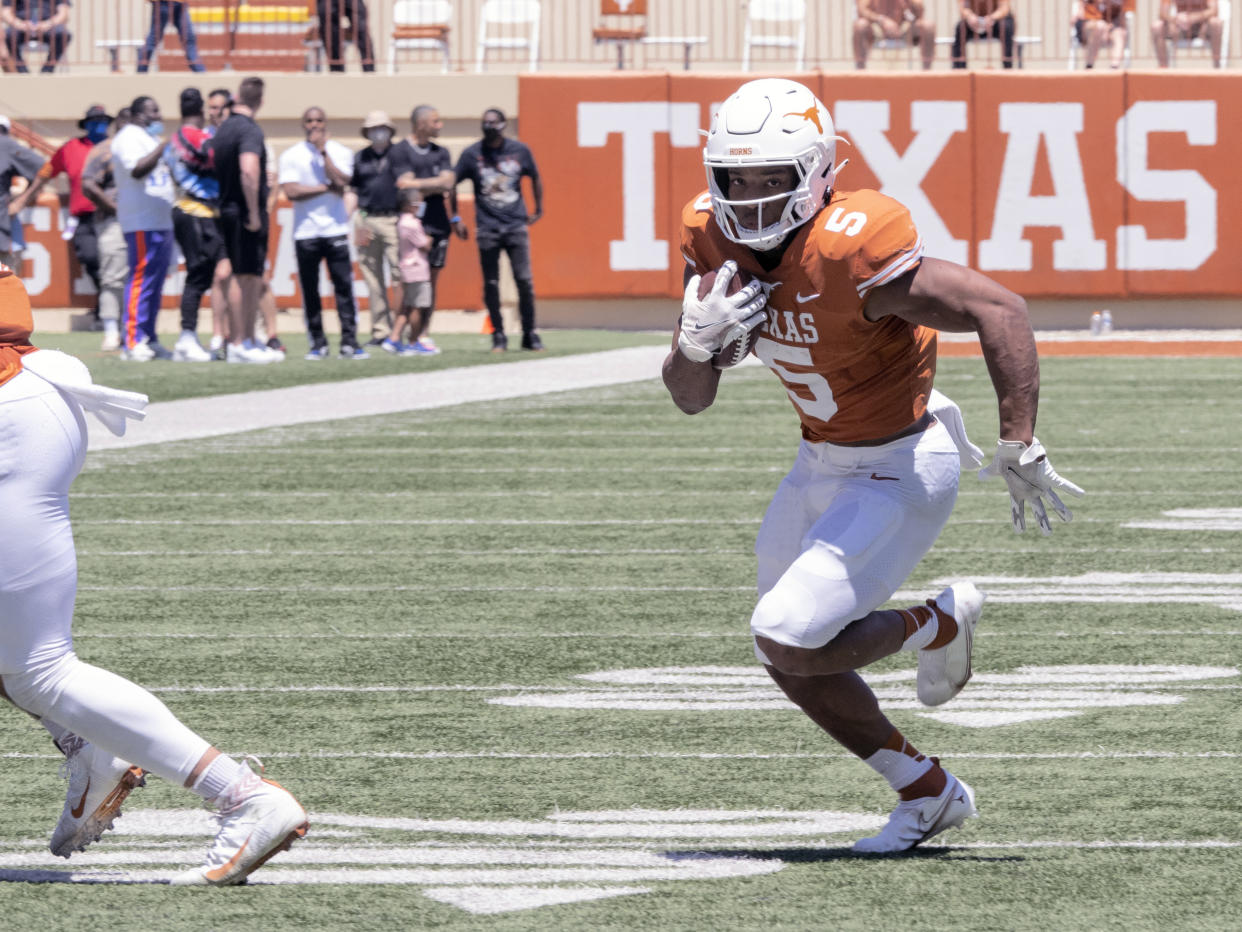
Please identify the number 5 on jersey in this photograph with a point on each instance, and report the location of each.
(809, 391)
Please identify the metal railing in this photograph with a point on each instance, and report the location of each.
(268, 35)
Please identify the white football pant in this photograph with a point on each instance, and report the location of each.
(845, 529)
(42, 448)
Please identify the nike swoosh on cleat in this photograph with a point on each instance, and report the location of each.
(223, 870)
(76, 811)
(884, 478)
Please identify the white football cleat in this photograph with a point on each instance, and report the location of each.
(916, 820)
(944, 671)
(98, 784)
(259, 820)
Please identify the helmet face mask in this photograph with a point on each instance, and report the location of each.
(769, 124)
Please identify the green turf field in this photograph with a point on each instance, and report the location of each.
(500, 652)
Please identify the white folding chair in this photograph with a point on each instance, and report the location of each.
(508, 15)
(419, 25)
(1224, 11)
(791, 14)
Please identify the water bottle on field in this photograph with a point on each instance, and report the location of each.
(1106, 322)
(1097, 324)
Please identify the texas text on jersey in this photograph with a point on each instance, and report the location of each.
(851, 379)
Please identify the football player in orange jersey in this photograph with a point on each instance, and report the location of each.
(109, 729)
(852, 306)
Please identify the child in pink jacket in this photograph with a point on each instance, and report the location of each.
(413, 244)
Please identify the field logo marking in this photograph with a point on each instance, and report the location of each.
(1193, 519)
(482, 867)
(1027, 694)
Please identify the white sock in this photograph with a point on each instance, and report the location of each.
(897, 767)
(220, 774)
(111, 326)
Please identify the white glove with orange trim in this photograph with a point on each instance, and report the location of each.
(1029, 476)
(710, 322)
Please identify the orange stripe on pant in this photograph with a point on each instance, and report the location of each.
(133, 295)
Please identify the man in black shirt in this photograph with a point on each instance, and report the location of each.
(377, 171)
(495, 165)
(241, 167)
(434, 177)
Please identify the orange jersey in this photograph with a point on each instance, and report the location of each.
(16, 324)
(851, 379)
(1111, 11)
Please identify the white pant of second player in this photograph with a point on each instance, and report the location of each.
(42, 448)
(845, 529)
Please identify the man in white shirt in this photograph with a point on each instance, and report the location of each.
(144, 202)
(314, 175)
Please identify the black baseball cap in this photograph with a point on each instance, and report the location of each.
(94, 112)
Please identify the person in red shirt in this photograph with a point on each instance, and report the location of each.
(69, 160)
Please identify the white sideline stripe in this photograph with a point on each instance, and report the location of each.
(606, 635)
(506, 551)
(196, 418)
(680, 755)
(386, 588)
(1215, 522)
(593, 551)
(471, 522)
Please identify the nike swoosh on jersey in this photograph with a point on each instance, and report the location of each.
(76, 811)
(885, 478)
(802, 300)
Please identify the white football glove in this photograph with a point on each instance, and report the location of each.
(1029, 476)
(711, 323)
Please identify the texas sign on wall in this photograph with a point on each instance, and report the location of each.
(1056, 185)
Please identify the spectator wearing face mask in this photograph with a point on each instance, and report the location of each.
(69, 160)
(144, 202)
(378, 169)
(99, 186)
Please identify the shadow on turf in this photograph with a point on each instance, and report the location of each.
(828, 855)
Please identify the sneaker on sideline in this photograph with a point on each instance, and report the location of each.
(247, 354)
(275, 347)
(317, 352)
(944, 671)
(531, 341)
(424, 347)
(354, 352)
(188, 349)
(111, 341)
(916, 820)
(98, 784)
(396, 347)
(139, 352)
(258, 819)
(500, 342)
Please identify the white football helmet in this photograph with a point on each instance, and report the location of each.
(771, 122)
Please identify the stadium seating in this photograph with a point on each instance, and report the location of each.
(1225, 12)
(508, 24)
(791, 17)
(418, 25)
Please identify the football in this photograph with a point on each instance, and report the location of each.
(736, 350)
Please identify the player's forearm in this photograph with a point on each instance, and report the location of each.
(692, 385)
(1013, 364)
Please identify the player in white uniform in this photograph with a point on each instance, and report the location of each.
(111, 731)
(845, 304)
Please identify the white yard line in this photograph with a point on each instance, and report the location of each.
(196, 418)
